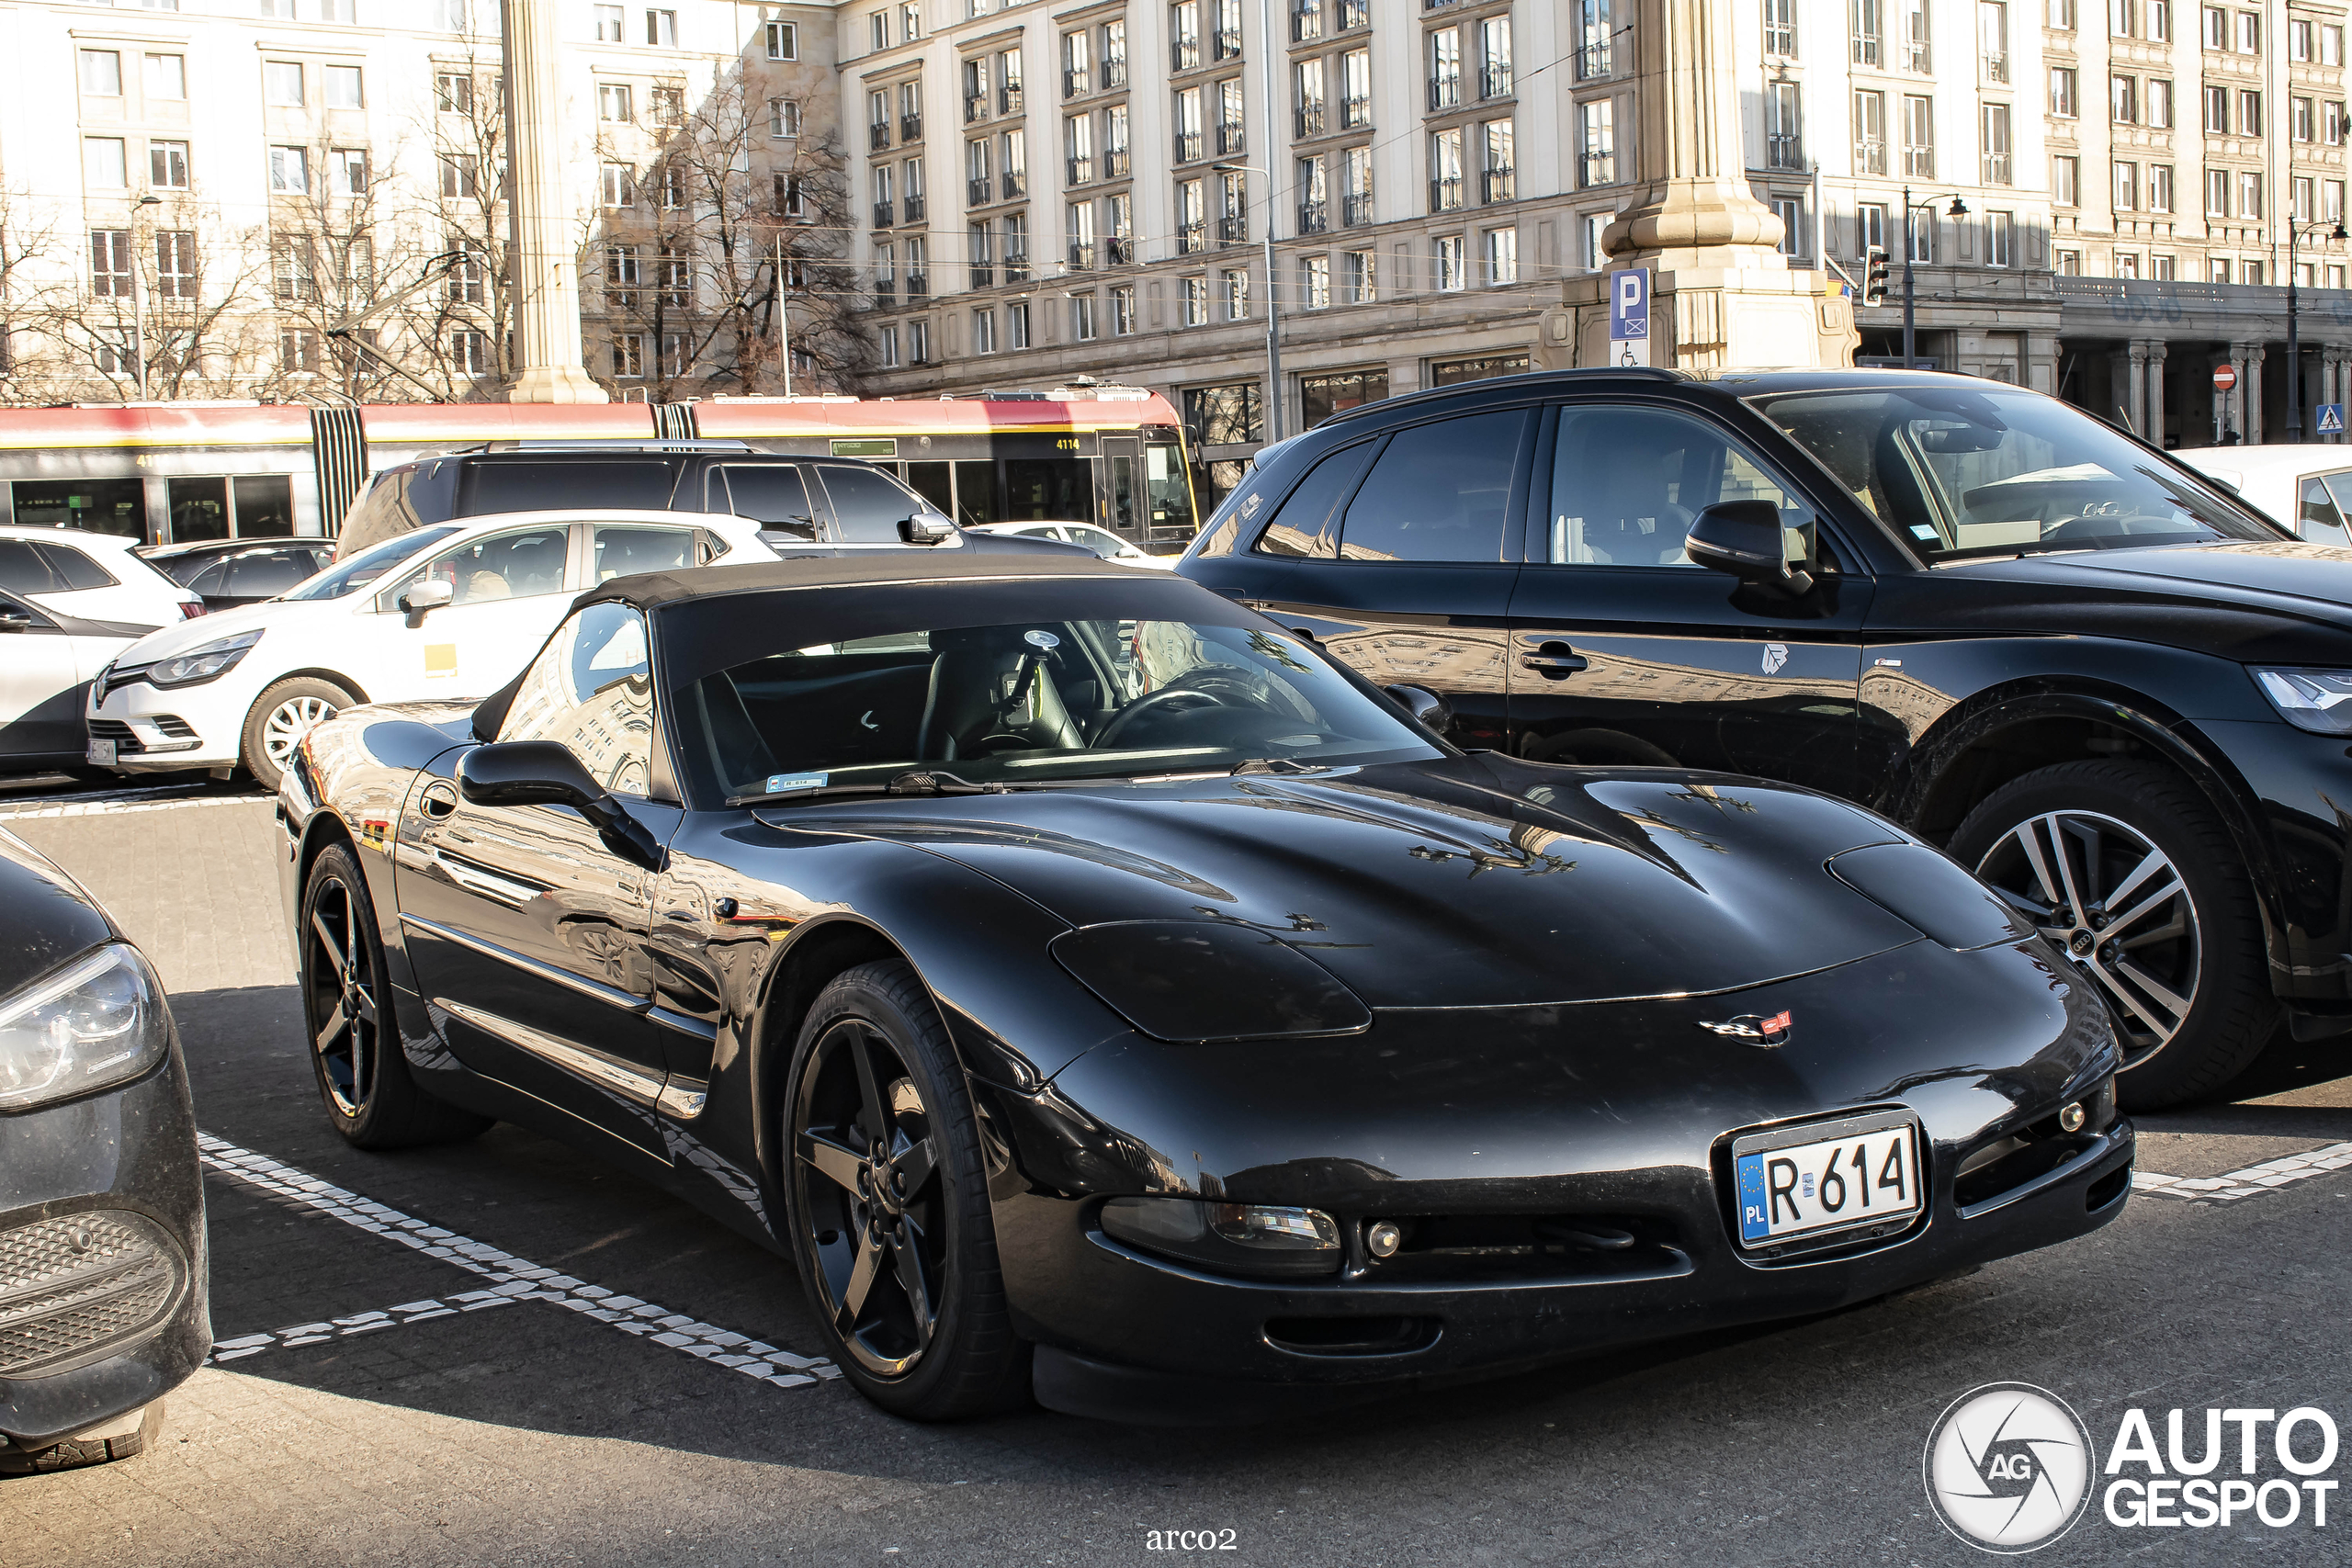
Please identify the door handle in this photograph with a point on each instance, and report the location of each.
(1552, 661)
(439, 799)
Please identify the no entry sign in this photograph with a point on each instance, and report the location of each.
(2225, 377)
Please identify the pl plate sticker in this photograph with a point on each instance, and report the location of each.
(784, 784)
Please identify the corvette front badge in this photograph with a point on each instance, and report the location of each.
(1754, 1029)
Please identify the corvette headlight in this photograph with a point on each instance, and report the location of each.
(1198, 981)
(2316, 700)
(97, 1023)
(198, 665)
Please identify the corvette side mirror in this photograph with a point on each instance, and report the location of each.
(545, 773)
(433, 593)
(926, 529)
(1427, 709)
(1745, 539)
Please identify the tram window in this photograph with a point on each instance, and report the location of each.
(199, 510)
(1058, 488)
(103, 506)
(935, 483)
(771, 494)
(264, 507)
(1122, 493)
(867, 506)
(975, 493)
(503, 485)
(1170, 490)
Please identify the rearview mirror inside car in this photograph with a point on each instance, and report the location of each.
(545, 773)
(1746, 539)
(433, 593)
(926, 529)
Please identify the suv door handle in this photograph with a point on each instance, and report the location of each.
(1552, 661)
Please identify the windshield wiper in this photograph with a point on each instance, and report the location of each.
(1274, 765)
(917, 781)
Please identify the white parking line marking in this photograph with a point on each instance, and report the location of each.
(2250, 1182)
(10, 811)
(512, 1279)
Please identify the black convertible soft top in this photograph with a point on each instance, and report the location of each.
(651, 589)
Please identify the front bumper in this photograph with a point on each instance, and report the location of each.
(156, 730)
(1164, 1343)
(120, 1161)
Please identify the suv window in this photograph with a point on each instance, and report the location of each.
(769, 494)
(503, 566)
(591, 689)
(1439, 491)
(502, 484)
(265, 574)
(24, 569)
(1627, 482)
(1298, 523)
(867, 506)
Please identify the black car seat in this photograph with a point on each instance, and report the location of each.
(1628, 519)
(979, 700)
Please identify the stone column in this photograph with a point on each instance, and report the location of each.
(2250, 388)
(2123, 387)
(1719, 287)
(2139, 405)
(2155, 428)
(542, 248)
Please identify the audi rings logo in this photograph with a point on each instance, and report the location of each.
(2009, 1467)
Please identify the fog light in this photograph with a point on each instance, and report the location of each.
(1382, 1238)
(1234, 1238)
(2073, 1117)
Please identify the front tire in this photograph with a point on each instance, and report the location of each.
(2130, 871)
(125, 1439)
(356, 1055)
(889, 1204)
(281, 716)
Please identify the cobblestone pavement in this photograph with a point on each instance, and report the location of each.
(504, 1352)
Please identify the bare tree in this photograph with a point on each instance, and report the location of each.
(466, 321)
(22, 239)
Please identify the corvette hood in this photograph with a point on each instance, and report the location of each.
(1469, 882)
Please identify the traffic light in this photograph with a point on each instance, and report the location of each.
(1874, 275)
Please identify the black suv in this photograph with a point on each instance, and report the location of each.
(804, 505)
(2111, 686)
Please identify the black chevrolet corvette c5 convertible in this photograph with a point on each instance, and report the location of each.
(1095, 988)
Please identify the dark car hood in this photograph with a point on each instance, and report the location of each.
(1470, 882)
(2310, 581)
(45, 919)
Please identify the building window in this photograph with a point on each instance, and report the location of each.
(102, 74)
(1355, 187)
(289, 170)
(1234, 286)
(1190, 143)
(1359, 278)
(1597, 160)
(469, 353)
(2127, 265)
(1870, 228)
(2160, 187)
(1123, 311)
(919, 341)
(2000, 239)
(2217, 193)
(2217, 27)
(984, 331)
(2124, 99)
(1445, 170)
(1996, 144)
(1231, 138)
(2249, 194)
(1870, 133)
(1502, 258)
(345, 87)
(782, 40)
(1445, 68)
(104, 165)
(662, 29)
(1196, 301)
(628, 356)
(2249, 113)
(1921, 229)
(1081, 318)
(1192, 216)
(2059, 15)
(1016, 324)
(167, 166)
(2065, 175)
(1315, 282)
(2332, 201)
(1781, 29)
(1784, 129)
(458, 175)
(1919, 137)
(1446, 262)
(2217, 109)
(2064, 104)
(2249, 33)
(619, 187)
(614, 102)
(2302, 122)
(611, 22)
(1993, 41)
(453, 92)
(294, 269)
(2122, 18)
(1595, 33)
(2159, 104)
(784, 118)
(298, 352)
(1494, 57)
(1917, 55)
(1184, 35)
(890, 337)
(1078, 64)
(909, 23)
(2127, 187)
(347, 171)
(1355, 89)
(1498, 178)
(1320, 397)
(110, 263)
(281, 83)
(2300, 202)
(878, 30)
(1790, 211)
(2330, 44)
(1869, 30)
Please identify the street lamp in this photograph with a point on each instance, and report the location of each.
(1958, 209)
(2294, 345)
(137, 315)
(1274, 314)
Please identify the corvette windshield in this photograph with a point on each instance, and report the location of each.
(1034, 700)
(367, 566)
(1962, 472)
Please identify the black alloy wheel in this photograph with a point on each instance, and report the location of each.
(347, 1017)
(888, 1207)
(2129, 872)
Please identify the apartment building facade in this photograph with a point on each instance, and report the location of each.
(303, 200)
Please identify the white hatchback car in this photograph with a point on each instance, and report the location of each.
(451, 611)
(91, 577)
(2308, 487)
(1101, 541)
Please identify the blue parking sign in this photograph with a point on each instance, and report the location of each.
(2331, 419)
(1629, 316)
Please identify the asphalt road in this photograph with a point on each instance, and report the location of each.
(641, 1391)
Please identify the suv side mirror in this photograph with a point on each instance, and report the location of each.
(545, 773)
(1744, 539)
(1427, 708)
(430, 595)
(926, 529)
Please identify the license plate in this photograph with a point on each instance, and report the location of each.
(1807, 1181)
(102, 753)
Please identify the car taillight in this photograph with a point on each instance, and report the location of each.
(192, 608)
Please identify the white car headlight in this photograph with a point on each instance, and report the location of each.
(2316, 700)
(98, 1022)
(198, 665)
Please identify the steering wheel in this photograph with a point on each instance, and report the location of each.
(1151, 702)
